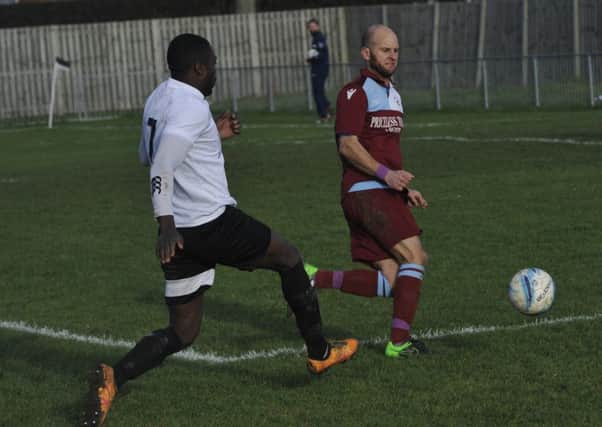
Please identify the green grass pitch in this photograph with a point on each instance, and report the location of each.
(506, 191)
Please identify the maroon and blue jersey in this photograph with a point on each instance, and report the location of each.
(372, 110)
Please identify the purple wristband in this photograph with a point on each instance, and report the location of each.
(382, 171)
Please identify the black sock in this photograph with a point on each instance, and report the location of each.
(148, 353)
(303, 301)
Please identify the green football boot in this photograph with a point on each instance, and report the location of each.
(411, 347)
(311, 271)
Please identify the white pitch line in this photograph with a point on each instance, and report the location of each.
(542, 140)
(569, 141)
(280, 125)
(188, 354)
(9, 180)
(482, 329)
(214, 358)
(79, 126)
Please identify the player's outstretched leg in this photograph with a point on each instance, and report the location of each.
(284, 258)
(149, 352)
(303, 301)
(364, 283)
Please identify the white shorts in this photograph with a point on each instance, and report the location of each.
(189, 285)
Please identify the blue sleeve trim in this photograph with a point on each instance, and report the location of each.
(368, 185)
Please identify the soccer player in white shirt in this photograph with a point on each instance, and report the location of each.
(200, 226)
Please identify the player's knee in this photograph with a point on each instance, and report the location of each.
(418, 256)
(188, 335)
(187, 330)
(292, 256)
(423, 258)
(287, 257)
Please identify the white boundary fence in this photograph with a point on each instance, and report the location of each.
(436, 85)
(116, 64)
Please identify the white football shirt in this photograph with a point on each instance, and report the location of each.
(181, 143)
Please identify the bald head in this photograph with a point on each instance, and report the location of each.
(380, 50)
(376, 34)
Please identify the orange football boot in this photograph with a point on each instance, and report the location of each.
(102, 393)
(340, 352)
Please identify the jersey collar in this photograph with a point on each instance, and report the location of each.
(185, 86)
(367, 73)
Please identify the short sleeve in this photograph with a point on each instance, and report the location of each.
(188, 119)
(351, 111)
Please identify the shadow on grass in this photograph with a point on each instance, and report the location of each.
(50, 370)
(57, 372)
(272, 322)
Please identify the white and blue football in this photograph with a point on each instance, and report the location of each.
(532, 291)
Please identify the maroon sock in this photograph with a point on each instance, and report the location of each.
(357, 282)
(405, 301)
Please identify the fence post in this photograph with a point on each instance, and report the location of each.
(82, 110)
(525, 43)
(310, 105)
(52, 97)
(343, 35)
(254, 43)
(485, 85)
(436, 20)
(437, 88)
(234, 89)
(481, 44)
(158, 50)
(536, 81)
(577, 38)
(590, 72)
(271, 104)
(385, 19)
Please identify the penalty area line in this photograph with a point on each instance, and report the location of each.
(214, 358)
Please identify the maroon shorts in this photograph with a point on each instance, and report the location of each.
(378, 220)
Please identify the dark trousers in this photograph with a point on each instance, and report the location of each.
(317, 84)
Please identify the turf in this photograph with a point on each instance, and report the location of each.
(506, 191)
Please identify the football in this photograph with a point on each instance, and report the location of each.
(532, 291)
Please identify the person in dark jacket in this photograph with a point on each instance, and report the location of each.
(318, 60)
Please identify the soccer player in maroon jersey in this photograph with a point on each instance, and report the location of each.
(375, 193)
